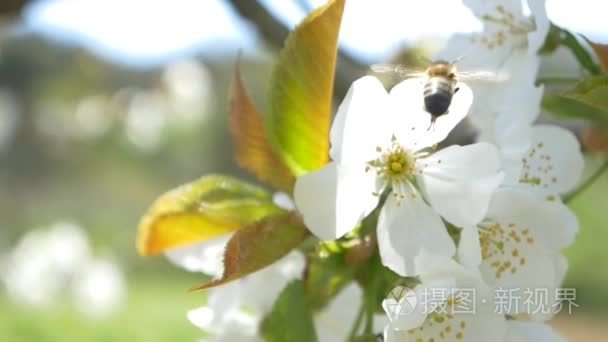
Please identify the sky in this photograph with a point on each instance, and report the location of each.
(147, 33)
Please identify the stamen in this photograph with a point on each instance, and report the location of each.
(395, 166)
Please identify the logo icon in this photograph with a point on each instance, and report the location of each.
(400, 301)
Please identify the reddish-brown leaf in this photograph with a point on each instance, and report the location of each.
(259, 245)
(595, 139)
(253, 152)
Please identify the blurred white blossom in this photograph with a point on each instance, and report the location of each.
(99, 289)
(146, 120)
(206, 257)
(48, 265)
(189, 86)
(93, 117)
(235, 310)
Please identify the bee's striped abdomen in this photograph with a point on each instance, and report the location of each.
(437, 95)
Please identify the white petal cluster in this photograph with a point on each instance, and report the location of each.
(502, 193)
(234, 311)
(48, 264)
(486, 216)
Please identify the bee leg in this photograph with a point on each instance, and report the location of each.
(456, 90)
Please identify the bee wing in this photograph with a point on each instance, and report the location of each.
(398, 69)
(481, 75)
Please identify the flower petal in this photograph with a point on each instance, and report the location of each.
(404, 312)
(407, 227)
(206, 257)
(334, 199)
(408, 98)
(260, 290)
(536, 38)
(469, 250)
(518, 331)
(358, 126)
(459, 181)
(481, 8)
(554, 164)
(521, 244)
(444, 277)
(554, 224)
(335, 321)
(560, 264)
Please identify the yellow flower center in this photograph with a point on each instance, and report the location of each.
(503, 246)
(394, 167)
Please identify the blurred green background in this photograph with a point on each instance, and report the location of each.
(94, 136)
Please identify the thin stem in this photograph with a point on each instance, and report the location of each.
(587, 183)
(371, 297)
(355, 329)
(554, 80)
(371, 308)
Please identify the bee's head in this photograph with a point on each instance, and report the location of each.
(442, 68)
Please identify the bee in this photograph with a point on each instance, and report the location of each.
(440, 83)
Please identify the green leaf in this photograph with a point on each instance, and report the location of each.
(259, 245)
(301, 90)
(326, 276)
(252, 149)
(209, 207)
(290, 318)
(588, 100)
(581, 53)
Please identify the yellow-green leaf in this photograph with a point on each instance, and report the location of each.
(253, 151)
(259, 245)
(204, 209)
(301, 90)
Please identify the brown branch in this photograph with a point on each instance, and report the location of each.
(12, 7)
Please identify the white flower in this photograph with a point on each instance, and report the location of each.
(551, 166)
(99, 289)
(531, 332)
(453, 304)
(245, 301)
(507, 25)
(49, 264)
(50, 257)
(518, 247)
(508, 47)
(334, 322)
(382, 141)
